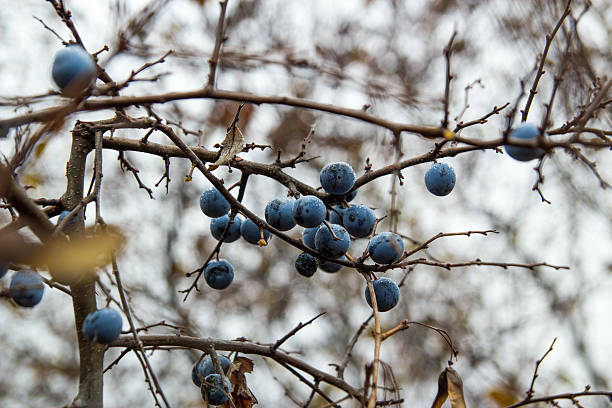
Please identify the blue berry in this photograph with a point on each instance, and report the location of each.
(306, 264)
(308, 236)
(217, 226)
(359, 221)
(251, 233)
(279, 214)
(336, 214)
(3, 269)
(103, 326)
(206, 367)
(219, 274)
(331, 267)
(440, 179)
(71, 225)
(213, 391)
(386, 247)
(74, 70)
(525, 131)
(337, 178)
(213, 204)
(387, 294)
(308, 211)
(329, 246)
(350, 196)
(26, 288)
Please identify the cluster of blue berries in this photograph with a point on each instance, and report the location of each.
(220, 274)
(204, 376)
(328, 231)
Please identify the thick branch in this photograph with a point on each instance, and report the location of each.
(243, 347)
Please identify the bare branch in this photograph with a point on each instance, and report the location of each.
(549, 38)
(219, 39)
(294, 331)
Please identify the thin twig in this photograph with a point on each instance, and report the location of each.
(50, 29)
(567, 396)
(219, 39)
(303, 379)
(531, 391)
(349, 350)
(377, 342)
(449, 77)
(540, 180)
(405, 324)
(138, 342)
(294, 331)
(126, 165)
(425, 244)
(549, 38)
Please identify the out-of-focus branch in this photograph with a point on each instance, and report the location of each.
(449, 77)
(208, 93)
(549, 38)
(219, 39)
(567, 396)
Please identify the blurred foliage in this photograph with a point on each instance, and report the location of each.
(384, 56)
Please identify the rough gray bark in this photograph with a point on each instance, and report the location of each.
(83, 292)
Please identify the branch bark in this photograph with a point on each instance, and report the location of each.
(244, 347)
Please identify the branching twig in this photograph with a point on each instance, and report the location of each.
(483, 119)
(530, 392)
(297, 328)
(405, 324)
(147, 367)
(549, 38)
(126, 165)
(425, 244)
(540, 180)
(349, 350)
(567, 396)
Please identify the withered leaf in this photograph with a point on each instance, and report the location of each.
(230, 147)
(455, 388)
(442, 394)
(242, 395)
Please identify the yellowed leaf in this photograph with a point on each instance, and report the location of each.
(502, 396)
(442, 393)
(32, 179)
(40, 148)
(455, 388)
(82, 252)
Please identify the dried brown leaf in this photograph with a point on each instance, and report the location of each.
(442, 394)
(242, 395)
(230, 147)
(455, 388)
